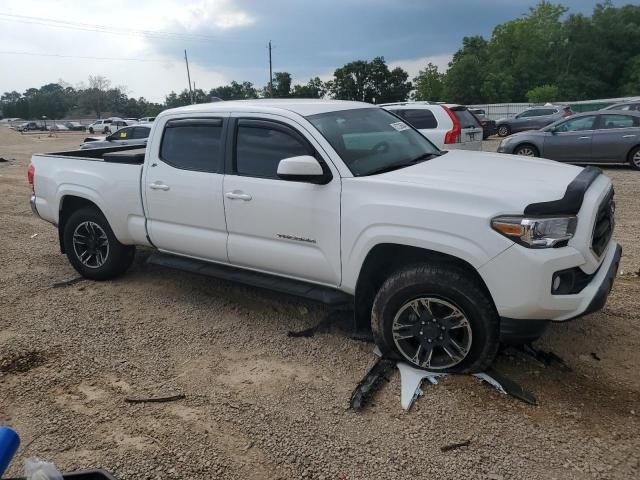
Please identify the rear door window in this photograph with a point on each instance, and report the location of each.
(419, 118)
(608, 122)
(466, 118)
(193, 144)
(140, 132)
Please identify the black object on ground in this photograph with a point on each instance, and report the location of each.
(454, 446)
(595, 356)
(323, 325)
(82, 475)
(171, 398)
(66, 283)
(371, 382)
(546, 358)
(3, 160)
(512, 388)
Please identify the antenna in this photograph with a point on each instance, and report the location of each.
(186, 60)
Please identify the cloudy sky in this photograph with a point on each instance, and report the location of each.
(139, 43)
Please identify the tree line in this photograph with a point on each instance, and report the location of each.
(544, 56)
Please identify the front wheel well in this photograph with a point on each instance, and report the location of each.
(385, 259)
(68, 205)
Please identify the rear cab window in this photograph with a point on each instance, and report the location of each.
(193, 144)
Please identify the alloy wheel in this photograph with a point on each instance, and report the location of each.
(91, 244)
(526, 151)
(432, 333)
(636, 159)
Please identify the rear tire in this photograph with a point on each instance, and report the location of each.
(92, 248)
(634, 158)
(504, 130)
(526, 150)
(436, 317)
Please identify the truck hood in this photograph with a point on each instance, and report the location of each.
(512, 180)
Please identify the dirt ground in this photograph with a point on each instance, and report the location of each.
(261, 405)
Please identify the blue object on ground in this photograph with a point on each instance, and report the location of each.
(9, 442)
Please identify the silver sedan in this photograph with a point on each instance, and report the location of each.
(136, 135)
(609, 136)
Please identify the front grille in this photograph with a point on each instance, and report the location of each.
(603, 226)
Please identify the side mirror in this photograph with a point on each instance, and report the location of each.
(304, 168)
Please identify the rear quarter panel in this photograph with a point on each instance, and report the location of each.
(114, 188)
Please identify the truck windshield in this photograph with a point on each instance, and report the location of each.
(371, 140)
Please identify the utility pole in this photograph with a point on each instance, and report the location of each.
(270, 73)
(186, 61)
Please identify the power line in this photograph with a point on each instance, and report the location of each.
(91, 27)
(3, 52)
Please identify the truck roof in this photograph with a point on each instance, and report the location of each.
(300, 106)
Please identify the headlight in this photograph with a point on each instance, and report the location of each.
(506, 140)
(536, 232)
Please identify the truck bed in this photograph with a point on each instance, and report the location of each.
(129, 154)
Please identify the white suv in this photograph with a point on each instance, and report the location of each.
(448, 126)
(108, 125)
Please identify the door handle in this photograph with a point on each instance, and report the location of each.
(628, 136)
(584, 138)
(158, 186)
(238, 195)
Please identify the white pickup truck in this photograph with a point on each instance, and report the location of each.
(443, 253)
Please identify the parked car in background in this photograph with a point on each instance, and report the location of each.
(147, 119)
(488, 126)
(442, 253)
(634, 106)
(31, 126)
(604, 136)
(448, 126)
(532, 119)
(125, 136)
(107, 125)
(75, 126)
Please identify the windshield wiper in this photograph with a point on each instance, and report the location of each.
(398, 165)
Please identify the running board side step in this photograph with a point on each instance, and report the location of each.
(288, 286)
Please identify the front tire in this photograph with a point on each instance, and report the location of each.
(634, 158)
(526, 150)
(437, 318)
(92, 248)
(504, 130)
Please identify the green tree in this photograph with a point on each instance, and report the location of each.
(315, 88)
(543, 94)
(371, 82)
(281, 85)
(529, 50)
(95, 97)
(463, 82)
(235, 91)
(429, 84)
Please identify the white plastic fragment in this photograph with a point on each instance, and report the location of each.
(491, 381)
(37, 469)
(410, 381)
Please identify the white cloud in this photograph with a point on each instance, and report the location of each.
(219, 13)
(414, 65)
(151, 74)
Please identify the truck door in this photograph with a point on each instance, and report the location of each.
(182, 188)
(284, 227)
